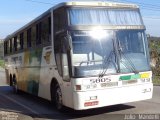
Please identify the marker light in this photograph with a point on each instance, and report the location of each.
(78, 87)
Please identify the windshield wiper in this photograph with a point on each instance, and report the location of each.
(107, 61)
(130, 64)
(89, 62)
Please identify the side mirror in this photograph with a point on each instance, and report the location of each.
(68, 42)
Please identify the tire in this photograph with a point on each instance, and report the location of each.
(57, 98)
(14, 85)
(11, 80)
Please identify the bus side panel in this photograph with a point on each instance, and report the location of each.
(27, 70)
(47, 72)
(23, 73)
(33, 61)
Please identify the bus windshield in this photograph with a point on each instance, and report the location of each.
(89, 52)
(133, 50)
(94, 52)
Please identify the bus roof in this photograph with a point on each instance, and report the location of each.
(97, 3)
(78, 4)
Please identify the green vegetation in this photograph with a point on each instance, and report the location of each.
(1, 49)
(2, 63)
(154, 45)
(156, 80)
(1, 54)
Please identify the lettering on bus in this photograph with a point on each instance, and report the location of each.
(100, 80)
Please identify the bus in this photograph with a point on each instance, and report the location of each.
(82, 55)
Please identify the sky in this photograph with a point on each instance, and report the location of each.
(16, 13)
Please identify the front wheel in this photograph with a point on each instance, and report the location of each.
(58, 98)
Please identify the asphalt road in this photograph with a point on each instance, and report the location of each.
(27, 107)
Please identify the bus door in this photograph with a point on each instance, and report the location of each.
(63, 61)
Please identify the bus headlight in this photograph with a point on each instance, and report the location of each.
(93, 86)
(85, 87)
(142, 80)
(148, 80)
(145, 80)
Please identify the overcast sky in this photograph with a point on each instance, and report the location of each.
(16, 13)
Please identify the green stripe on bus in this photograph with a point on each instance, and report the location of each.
(130, 77)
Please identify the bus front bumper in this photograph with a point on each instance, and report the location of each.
(112, 96)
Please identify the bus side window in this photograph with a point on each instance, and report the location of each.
(25, 39)
(10, 45)
(21, 41)
(15, 43)
(49, 23)
(60, 20)
(46, 32)
(18, 42)
(29, 37)
(33, 36)
(7, 47)
(38, 33)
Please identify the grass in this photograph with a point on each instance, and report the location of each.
(2, 63)
(156, 80)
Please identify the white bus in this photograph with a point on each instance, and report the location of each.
(82, 55)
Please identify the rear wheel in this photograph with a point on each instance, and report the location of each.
(11, 80)
(14, 85)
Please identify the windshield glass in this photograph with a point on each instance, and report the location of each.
(90, 50)
(104, 16)
(133, 50)
(94, 52)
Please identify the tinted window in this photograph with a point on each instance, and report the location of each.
(33, 36)
(10, 45)
(46, 32)
(38, 33)
(59, 19)
(18, 42)
(29, 37)
(25, 39)
(21, 41)
(15, 43)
